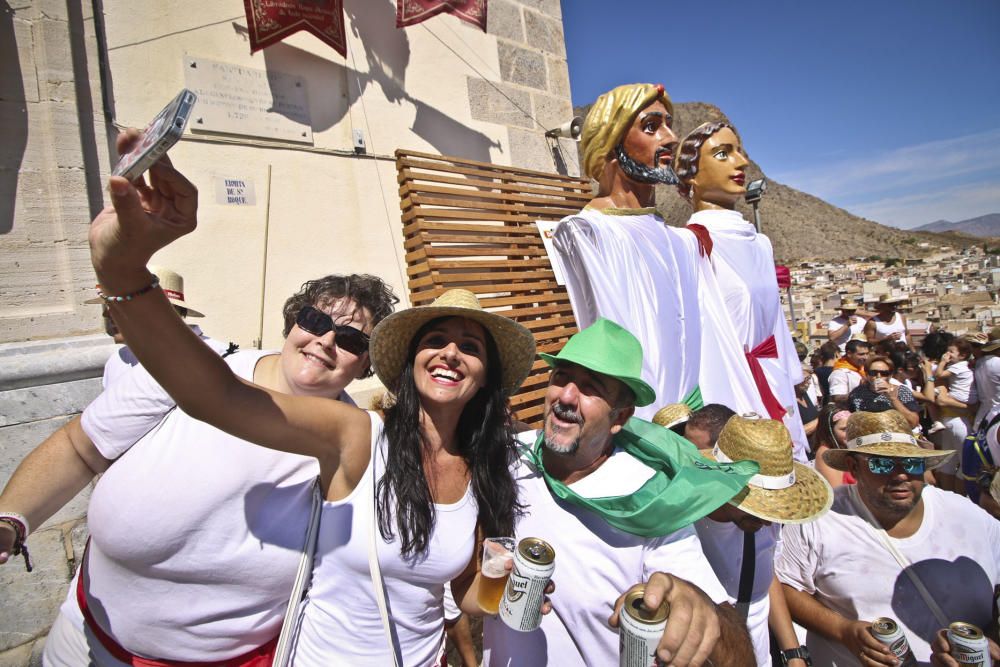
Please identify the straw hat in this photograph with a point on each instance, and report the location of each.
(993, 341)
(172, 284)
(784, 491)
(886, 299)
(671, 415)
(882, 434)
(391, 339)
(848, 306)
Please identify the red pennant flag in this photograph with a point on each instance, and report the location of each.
(784, 276)
(412, 12)
(270, 21)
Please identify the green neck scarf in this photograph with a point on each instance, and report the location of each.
(685, 487)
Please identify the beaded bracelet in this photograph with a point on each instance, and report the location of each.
(128, 297)
(20, 525)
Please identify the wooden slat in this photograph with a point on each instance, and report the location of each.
(471, 224)
(406, 180)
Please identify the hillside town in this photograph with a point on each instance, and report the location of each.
(954, 289)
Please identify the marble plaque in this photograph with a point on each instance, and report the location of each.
(233, 99)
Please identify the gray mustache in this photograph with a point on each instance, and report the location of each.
(566, 414)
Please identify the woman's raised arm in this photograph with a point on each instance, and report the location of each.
(123, 237)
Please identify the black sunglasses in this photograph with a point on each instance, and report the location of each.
(318, 323)
(880, 374)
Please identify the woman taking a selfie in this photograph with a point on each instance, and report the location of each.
(436, 464)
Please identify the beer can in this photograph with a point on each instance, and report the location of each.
(969, 646)
(640, 630)
(521, 605)
(887, 631)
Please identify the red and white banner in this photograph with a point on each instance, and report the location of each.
(270, 21)
(411, 12)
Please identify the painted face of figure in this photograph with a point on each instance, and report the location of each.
(721, 177)
(450, 363)
(647, 151)
(315, 365)
(580, 412)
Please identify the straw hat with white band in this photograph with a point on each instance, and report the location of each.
(172, 284)
(390, 341)
(882, 434)
(673, 414)
(784, 491)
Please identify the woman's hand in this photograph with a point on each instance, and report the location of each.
(141, 220)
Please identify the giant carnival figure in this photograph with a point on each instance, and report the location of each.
(711, 167)
(623, 262)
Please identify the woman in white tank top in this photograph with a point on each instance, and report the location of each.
(445, 449)
(887, 323)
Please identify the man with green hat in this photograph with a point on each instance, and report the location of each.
(615, 496)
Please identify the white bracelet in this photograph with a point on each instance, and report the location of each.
(20, 518)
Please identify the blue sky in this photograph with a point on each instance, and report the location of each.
(887, 108)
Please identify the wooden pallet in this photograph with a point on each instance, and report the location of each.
(471, 224)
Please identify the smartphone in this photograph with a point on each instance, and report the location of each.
(158, 137)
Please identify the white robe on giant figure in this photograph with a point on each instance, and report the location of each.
(695, 316)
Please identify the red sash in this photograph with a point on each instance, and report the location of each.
(767, 349)
(262, 656)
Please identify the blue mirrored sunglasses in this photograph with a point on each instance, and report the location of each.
(884, 465)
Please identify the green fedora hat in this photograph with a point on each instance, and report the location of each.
(609, 349)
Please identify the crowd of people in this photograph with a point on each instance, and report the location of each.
(248, 513)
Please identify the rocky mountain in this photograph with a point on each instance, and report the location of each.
(800, 225)
(983, 226)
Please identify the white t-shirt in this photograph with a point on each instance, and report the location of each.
(987, 377)
(841, 562)
(341, 624)
(196, 534)
(843, 381)
(960, 386)
(855, 329)
(122, 360)
(723, 546)
(595, 564)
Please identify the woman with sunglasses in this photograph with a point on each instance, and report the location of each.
(194, 531)
(879, 392)
(437, 463)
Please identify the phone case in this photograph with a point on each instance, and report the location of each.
(158, 137)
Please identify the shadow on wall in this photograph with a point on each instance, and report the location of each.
(13, 118)
(332, 86)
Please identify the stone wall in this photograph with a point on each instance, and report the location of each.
(42, 386)
(533, 94)
(52, 159)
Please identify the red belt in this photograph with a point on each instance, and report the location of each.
(768, 349)
(262, 656)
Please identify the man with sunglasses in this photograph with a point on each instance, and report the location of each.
(863, 559)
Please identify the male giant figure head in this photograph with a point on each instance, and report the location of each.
(628, 144)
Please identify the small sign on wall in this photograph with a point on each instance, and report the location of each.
(546, 228)
(234, 191)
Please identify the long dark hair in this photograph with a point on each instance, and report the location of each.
(485, 439)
